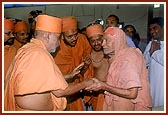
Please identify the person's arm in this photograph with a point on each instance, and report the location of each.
(87, 62)
(125, 93)
(86, 55)
(73, 88)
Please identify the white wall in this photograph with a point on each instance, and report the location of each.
(135, 14)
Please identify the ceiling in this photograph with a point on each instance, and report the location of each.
(21, 5)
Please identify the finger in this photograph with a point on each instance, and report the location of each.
(87, 58)
(95, 80)
(80, 66)
(77, 72)
(89, 88)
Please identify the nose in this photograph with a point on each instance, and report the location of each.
(11, 35)
(96, 42)
(152, 31)
(26, 36)
(73, 37)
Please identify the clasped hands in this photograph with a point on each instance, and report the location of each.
(94, 84)
(155, 45)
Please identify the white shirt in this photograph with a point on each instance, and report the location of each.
(155, 65)
(130, 42)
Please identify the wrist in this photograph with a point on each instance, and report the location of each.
(104, 86)
(86, 66)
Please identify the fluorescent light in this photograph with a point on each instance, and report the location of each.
(156, 5)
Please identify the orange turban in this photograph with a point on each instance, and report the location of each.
(8, 24)
(69, 23)
(94, 30)
(110, 30)
(49, 23)
(19, 26)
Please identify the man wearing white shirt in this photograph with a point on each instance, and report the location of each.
(154, 56)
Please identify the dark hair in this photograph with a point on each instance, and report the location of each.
(98, 21)
(136, 39)
(83, 29)
(157, 20)
(136, 36)
(131, 27)
(112, 15)
(35, 13)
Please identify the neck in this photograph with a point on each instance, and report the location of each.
(97, 56)
(97, 52)
(17, 43)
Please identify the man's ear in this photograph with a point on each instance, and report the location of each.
(46, 36)
(62, 36)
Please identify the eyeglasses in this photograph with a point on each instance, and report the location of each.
(72, 36)
(99, 40)
(9, 33)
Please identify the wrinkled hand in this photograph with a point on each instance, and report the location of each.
(97, 85)
(155, 45)
(88, 82)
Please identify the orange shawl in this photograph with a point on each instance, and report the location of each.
(70, 57)
(9, 54)
(127, 70)
(34, 65)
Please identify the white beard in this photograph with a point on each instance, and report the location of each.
(53, 50)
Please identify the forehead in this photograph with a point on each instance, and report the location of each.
(22, 31)
(94, 37)
(56, 34)
(7, 30)
(108, 36)
(154, 26)
(111, 18)
(129, 29)
(70, 32)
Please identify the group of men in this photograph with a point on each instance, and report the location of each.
(15, 36)
(99, 69)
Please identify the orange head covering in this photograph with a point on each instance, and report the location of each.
(119, 36)
(19, 26)
(94, 30)
(8, 24)
(69, 23)
(49, 23)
